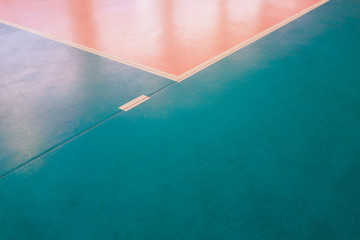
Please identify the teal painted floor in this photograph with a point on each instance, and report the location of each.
(50, 93)
(264, 144)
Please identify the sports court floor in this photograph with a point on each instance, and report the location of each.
(177, 119)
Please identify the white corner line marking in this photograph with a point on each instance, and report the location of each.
(183, 76)
(133, 103)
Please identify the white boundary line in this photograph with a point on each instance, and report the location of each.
(247, 42)
(186, 74)
(96, 52)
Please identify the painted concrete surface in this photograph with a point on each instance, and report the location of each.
(262, 145)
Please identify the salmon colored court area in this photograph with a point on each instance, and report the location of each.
(171, 38)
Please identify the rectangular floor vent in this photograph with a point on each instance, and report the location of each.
(134, 103)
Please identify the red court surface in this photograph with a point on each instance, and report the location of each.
(171, 38)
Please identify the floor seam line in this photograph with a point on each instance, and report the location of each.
(6, 33)
(56, 146)
(72, 138)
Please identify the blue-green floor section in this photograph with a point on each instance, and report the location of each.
(261, 145)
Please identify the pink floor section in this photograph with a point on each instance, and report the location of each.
(170, 36)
